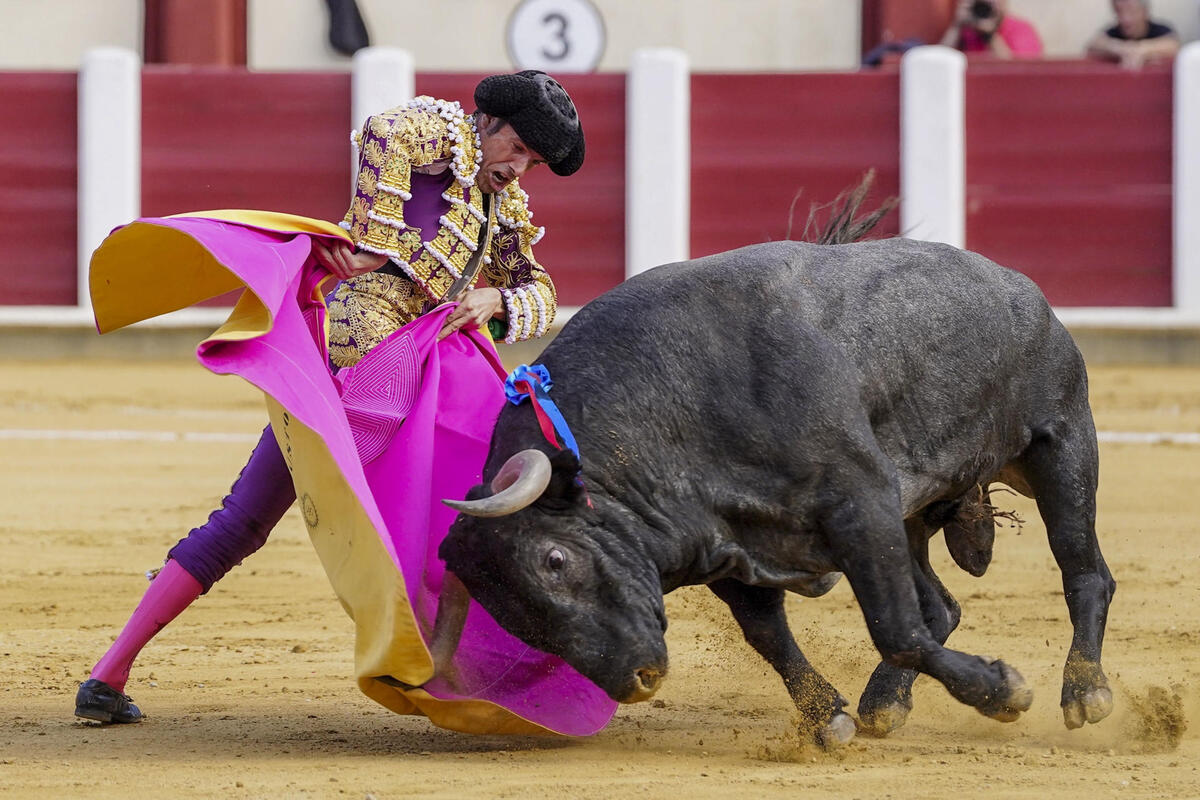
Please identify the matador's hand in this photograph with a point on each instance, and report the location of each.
(343, 262)
(475, 309)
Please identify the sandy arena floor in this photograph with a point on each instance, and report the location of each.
(249, 693)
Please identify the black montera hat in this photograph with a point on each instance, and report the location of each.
(540, 111)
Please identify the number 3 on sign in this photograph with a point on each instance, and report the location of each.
(556, 36)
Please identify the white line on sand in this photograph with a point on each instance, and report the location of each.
(125, 436)
(1147, 437)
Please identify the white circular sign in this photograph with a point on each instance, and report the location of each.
(556, 36)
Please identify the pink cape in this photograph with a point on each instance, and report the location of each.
(406, 427)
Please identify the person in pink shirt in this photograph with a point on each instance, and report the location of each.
(985, 26)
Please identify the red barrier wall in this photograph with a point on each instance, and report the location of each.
(219, 138)
(229, 138)
(1068, 166)
(38, 151)
(758, 139)
(1069, 178)
(280, 141)
(584, 214)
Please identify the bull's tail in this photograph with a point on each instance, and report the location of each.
(844, 225)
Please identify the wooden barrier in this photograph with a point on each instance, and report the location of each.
(1068, 166)
(219, 138)
(1069, 178)
(38, 148)
(757, 140)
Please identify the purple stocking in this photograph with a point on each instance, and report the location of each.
(259, 497)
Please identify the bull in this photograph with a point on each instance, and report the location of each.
(769, 419)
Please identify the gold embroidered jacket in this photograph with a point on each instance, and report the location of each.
(430, 136)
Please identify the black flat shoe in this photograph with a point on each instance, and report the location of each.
(98, 701)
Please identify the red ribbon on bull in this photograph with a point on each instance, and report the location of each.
(534, 383)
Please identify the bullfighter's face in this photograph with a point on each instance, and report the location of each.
(552, 579)
(504, 155)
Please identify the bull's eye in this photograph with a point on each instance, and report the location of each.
(556, 559)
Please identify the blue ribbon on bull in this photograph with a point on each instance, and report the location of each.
(534, 383)
(526, 382)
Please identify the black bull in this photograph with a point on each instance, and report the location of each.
(764, 419)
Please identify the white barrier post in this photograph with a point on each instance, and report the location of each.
(933, 145)
(110, 145)
(1186, 205)
(381, 78)
(657, 159)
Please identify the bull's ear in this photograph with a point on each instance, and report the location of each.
(564, 489)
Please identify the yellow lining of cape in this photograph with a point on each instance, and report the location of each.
(128, 284)
(387, 641)
(271, 220)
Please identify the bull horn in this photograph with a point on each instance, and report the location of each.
(518, 484)
(453, 602)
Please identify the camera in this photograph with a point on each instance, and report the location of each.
(982, 9)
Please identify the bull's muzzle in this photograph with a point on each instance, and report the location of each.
(644, 684)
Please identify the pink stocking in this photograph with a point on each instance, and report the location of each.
(171, 591)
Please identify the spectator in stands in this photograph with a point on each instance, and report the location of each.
(985, 26)
(1135, 39)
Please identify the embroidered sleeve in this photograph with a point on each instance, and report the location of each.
(389, 146)
(375, 219)
(530, 300)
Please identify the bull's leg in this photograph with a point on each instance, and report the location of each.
(1061, 467)
(887, 699)
(759, 611)
(868, 542)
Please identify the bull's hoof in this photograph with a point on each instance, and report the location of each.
(883, 720)
(1013, 697)
(837, 732)
(1093, 706)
